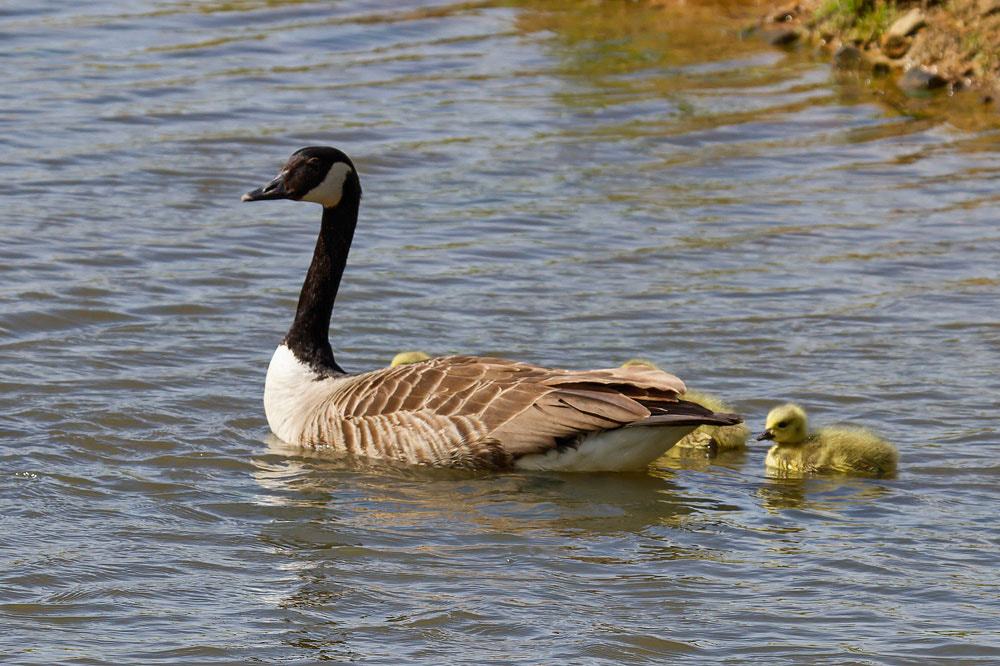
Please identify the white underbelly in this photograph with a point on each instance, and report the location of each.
(620, 450)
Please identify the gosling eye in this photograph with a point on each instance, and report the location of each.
(782, 424)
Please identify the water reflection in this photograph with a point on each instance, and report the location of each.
(965, 109)
(833, 493)
(602, 39)
(383, 495)
(451, 553)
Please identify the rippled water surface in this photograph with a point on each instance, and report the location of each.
(572, 184)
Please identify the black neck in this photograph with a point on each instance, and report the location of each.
(309, 336)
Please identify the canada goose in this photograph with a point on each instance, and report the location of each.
(462, 411)
(714, 438)
(841, 449)
(408, 357)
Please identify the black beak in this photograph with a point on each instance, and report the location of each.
(767, 434)
(273, 190)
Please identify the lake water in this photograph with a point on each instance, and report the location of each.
(565, 183)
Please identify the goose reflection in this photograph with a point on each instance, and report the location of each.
(365, 493)
(370, 493)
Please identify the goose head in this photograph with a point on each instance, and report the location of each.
(786, 424)
(319, 174)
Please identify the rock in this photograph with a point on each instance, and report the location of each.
(786, 13)
(848, 57)
(895, 42)
(906, 25)
(783, 37)
(918, 79)
(895, 46)
(881, 66)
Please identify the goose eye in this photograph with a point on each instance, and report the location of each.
(782, 424)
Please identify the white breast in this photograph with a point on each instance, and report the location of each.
(293, 392)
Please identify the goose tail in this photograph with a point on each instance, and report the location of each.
(686, 413)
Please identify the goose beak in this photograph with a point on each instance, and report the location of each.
(273, 190)
(767, 434)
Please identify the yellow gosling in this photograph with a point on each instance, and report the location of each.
(713, 438)
(841, 449)
(639, 363)
(409, 357)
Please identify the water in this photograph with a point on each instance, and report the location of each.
(561, 183)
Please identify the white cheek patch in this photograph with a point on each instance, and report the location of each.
(329, 192)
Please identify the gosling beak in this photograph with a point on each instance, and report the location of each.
(767, 434)
(273, 190)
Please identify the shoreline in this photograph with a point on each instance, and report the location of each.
(924, 46)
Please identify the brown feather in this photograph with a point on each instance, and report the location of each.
(476, 411)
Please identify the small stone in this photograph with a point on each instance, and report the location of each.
(783, 38)
(881, 66)
(786, 13)
(895, 46)
(848, 57)
(918, 79)
(906, 25)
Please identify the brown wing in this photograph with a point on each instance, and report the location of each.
(484, 411)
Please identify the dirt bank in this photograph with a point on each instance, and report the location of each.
(951, 46)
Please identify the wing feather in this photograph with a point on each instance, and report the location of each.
(467, 408)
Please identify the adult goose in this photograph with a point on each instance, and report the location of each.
(461, 411)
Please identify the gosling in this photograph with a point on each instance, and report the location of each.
(712, 438)
(843, 449)
(409, 357)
